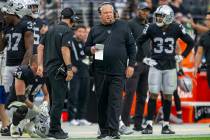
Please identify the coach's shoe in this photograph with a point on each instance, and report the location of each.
(57, 135)
(147, 130)
(114, 135)
(125, 130)
(5, 131)
(167, 130)
(15, 131)
(138, 128)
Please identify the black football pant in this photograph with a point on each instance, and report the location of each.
(138, 83)
(109, 96)
(58, 95)
(78, 96)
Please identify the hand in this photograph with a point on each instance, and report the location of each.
(69, 75)
(39, 71)
(149, 61)
(36, 109)
(195, 72)
(179, 58)
(129, 72)
(93, 49)
(74, 69)
(44, 108)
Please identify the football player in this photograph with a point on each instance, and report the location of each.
(17, 38)
(39, 26)
(32, 15)
(20, 101)
(162, 73)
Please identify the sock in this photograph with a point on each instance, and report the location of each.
(166, 110)
(149, 122)
(179, 114)
(165, 123)
(177, 101)
(151, 108)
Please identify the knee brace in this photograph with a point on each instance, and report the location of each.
(19, 115)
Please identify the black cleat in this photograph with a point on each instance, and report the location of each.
(147, 130)
(115, 136)
(166, 130)
(5, 131)
(138, 128)
(57, 135)
(103, 136)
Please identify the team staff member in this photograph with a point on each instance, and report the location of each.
(138, 82)
(79, 85)
(203, 49)
(112, 43)
(57, 53)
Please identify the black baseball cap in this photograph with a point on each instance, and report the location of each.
(143, 5)
(69, 13)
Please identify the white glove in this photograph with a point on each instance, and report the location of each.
(36, 109)
(149, 61)
(179, 58)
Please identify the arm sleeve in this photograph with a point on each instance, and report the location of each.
(187, 39)
(131, 48)
(201, 42)
(143, 37)
(89, 43)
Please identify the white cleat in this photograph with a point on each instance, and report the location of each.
(84, 122)
(15, 131)
(74, 122)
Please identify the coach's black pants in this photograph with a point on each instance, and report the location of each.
(138, 83)
(58, 95)
(77, 97)
(109, 95)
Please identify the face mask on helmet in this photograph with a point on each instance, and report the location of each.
(163, 15)
(17, 7)
(33, 5)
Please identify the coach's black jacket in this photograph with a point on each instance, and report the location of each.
(119, 46)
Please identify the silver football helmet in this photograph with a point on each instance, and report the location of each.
(185, 83)
(33, 5)
(15, 7)
(164, 15)
(42, 125)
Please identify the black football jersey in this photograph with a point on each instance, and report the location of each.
(14, 36)
(36, 25)
(164, 42)
(32, 82)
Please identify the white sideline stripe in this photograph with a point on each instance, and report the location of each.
(183, 103)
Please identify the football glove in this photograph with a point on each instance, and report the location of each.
(44, 108)
(179, 58)
(149, 61)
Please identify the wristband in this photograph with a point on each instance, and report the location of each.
(69, 67)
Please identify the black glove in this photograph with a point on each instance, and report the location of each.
(180, 72)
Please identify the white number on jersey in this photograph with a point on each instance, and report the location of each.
(10, 37)
(160, 48)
